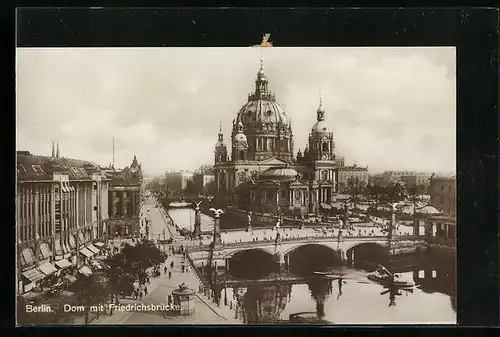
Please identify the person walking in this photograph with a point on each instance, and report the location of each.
(170, 274)
(145, 291)
(172, 264)
(165, 270)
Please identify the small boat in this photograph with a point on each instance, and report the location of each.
(179, 204)
(306, 318)
(328, 273)
(384, 277)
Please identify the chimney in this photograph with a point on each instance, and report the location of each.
(53, 150)
(57, 153)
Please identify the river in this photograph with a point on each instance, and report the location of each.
(354, 300)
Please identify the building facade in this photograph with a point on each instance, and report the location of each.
(417, 180)
(61, 214)
(125, 201)
(391, 177)
(351, 172)
(262, 173)
(443, 194)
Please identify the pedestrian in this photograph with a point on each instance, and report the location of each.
(172, 264)
(145, 291)
(165, 270)
(169, 274)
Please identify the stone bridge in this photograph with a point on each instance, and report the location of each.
(204, 255)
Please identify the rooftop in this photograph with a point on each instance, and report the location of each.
(34, 167)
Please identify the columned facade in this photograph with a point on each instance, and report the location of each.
(51, 208)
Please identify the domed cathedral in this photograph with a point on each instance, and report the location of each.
(262, 173)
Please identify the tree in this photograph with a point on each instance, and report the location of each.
(90, 290)
(131, 264)
(375, 192)
(190, 188)
(243, 194)
(205, 169)
(355, 188)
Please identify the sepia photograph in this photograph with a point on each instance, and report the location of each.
(249, 185)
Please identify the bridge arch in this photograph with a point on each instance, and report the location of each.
(311, 256)
(250, 262)
(367, 254)
(289, 249)
(266, 250)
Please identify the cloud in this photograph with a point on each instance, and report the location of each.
(389, 108)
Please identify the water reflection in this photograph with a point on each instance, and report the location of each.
(351, 299)
(265, 303)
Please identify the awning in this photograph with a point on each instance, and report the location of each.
(99, 244)
(86, 252)
(45, 250)
(97, 265)
(85, 271)
(325, 206)
(29, 296)
(47, 268)
(70, 278)
(65, 188)
(33, 275)
(63, 264)
(93, 249)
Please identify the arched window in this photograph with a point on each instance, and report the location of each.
(242, 177)
(324, 175)
(325, 147)
(242, 155)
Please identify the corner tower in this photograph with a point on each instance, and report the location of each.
(220, 148)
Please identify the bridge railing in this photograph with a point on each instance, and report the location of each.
(309, 238)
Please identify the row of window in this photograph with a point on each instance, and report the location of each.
(38, 169)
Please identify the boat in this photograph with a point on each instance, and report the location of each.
(383, 276)
(306, 318)
(179, 204)
(329, 273)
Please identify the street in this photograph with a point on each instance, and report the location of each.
(206, 312)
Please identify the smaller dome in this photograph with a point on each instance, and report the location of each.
(321, 127)
(280, 173)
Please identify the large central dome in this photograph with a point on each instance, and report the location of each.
(267, 126)
(262, 106)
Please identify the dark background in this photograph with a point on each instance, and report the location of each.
(473, 31)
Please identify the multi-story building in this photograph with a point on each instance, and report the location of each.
(391, 177)
(185, 178)
(125, 188)
(61, 214)
(418, 180)
(352, 172)
(262, 173)
(443, 194)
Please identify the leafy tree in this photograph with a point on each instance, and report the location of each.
(91, 290)
(212, 188)
(355, 188)
(243, 194)
(131, 264)
(190, 188)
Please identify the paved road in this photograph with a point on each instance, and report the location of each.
(206, 312)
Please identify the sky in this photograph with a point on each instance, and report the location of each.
(389, 108)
